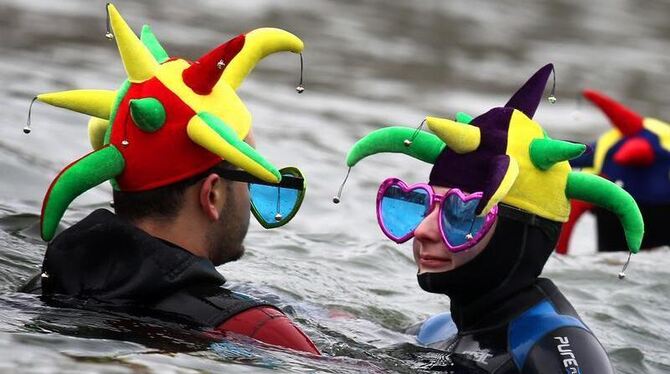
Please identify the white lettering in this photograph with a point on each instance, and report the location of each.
(563, 340)
(570, 362)
(569, 354)
(565, 350)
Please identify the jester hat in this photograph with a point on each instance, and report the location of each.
(509, 158)
(635, 154)
(170, 120)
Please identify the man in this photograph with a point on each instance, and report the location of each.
(483, 228)
(172, 140)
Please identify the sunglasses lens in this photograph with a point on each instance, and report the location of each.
(274, 206)
(273, 203)
(460, 225)
(401, 211)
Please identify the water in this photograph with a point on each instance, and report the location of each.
(368, 64)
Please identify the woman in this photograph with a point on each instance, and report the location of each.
(483, 228)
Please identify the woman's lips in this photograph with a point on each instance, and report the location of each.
(433, 262)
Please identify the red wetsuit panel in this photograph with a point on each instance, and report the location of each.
(269, 326)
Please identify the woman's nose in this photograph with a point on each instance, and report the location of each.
(428, 229)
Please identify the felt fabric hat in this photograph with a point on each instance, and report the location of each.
(507, 156)
(635, 154)
(171, 119)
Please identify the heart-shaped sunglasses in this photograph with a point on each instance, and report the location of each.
(401, 208)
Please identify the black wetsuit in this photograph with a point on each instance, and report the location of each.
(104, 260)
(504, 319)
(105, 263)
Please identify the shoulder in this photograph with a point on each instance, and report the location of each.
(541, 339)
(568, 350)
(437, 328)
(269, 325)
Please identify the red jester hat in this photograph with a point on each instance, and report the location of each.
(171, 119)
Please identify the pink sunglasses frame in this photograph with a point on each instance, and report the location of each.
(434, 199)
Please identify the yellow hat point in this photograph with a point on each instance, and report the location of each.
(258, 44)
(461, 138)
(96, 103)
(138, 61)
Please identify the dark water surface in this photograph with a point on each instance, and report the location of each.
(368, 64)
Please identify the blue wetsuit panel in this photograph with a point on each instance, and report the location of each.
(526, 330)
(436, 328)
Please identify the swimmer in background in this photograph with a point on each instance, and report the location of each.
(635, 154)
(484, 226)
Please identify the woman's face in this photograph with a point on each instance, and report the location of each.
(430, 252)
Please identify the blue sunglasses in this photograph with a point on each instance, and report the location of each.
(273, 205)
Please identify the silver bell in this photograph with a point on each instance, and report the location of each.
(552, 99)
(109, 35)
(221, 64)
(300, 89)
(26, 130)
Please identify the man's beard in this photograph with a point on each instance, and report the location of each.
(225, 238)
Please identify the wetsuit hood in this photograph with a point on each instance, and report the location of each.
(106, 258)
(511, 263)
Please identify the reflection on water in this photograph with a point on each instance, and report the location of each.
(368, 64)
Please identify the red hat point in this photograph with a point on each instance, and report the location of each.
(635, 152)
(203, 74)
(626, 120)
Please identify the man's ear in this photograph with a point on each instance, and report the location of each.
(211, 197)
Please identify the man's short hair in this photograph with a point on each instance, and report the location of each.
(162, 202)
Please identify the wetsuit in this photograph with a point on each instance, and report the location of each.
(107, 261)
(504, 319)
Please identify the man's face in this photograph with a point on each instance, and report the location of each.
(430, 252)
(226, 235)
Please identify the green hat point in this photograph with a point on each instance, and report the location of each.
(602, 192)
(153, 45)
(545, 153)
(418, 144)
(80, 176)
(147, 113)
(229, 135)
(462, 117)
